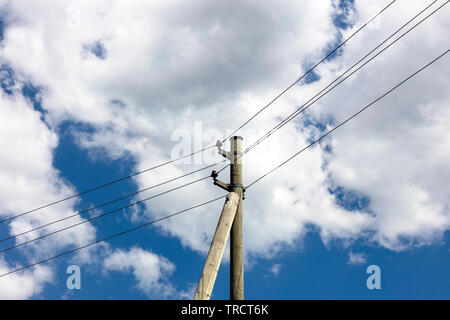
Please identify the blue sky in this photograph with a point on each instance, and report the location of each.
(312, 260)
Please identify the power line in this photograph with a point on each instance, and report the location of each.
(146, 224)
(248, 149)
(264, 137)
(251, 184)
(210, 147)
(111, 202)
(104, 185)
(324, 91)
(321, 94)
(348, 119)
(101, 215)
(311, 69)
(110, 237)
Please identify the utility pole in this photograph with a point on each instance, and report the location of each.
(230, 223)
(236, 242)
(215, 254)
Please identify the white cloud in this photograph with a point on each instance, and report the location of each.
(28, 180)
(228, 60)
(172, 64)
(25, 284)
(273, 270)
(276, 269)
(394, 152)
(150, 270)
(357, 258)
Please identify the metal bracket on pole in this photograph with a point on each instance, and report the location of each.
(226, 186)
(219, 183)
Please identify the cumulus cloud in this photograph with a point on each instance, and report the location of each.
(23, 285)
(150, 270)
(228, 59)
(396, 155)
(159, 66)
(28, 180)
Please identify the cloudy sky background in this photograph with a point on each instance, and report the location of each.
(96, 90)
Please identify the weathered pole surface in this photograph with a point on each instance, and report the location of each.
(212, 264)
(236, 241)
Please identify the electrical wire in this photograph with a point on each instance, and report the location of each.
(111, 202)
(322, 93)
(251, 184)
(311, 69)
(109, 237)
(103, 185)
(347, 120)
(101, 215)
(207, 148)
(289, 118)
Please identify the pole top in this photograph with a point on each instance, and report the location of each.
(236, 138)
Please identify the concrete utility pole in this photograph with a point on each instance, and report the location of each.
(230, 222)
(236, 242)
(212, 264)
